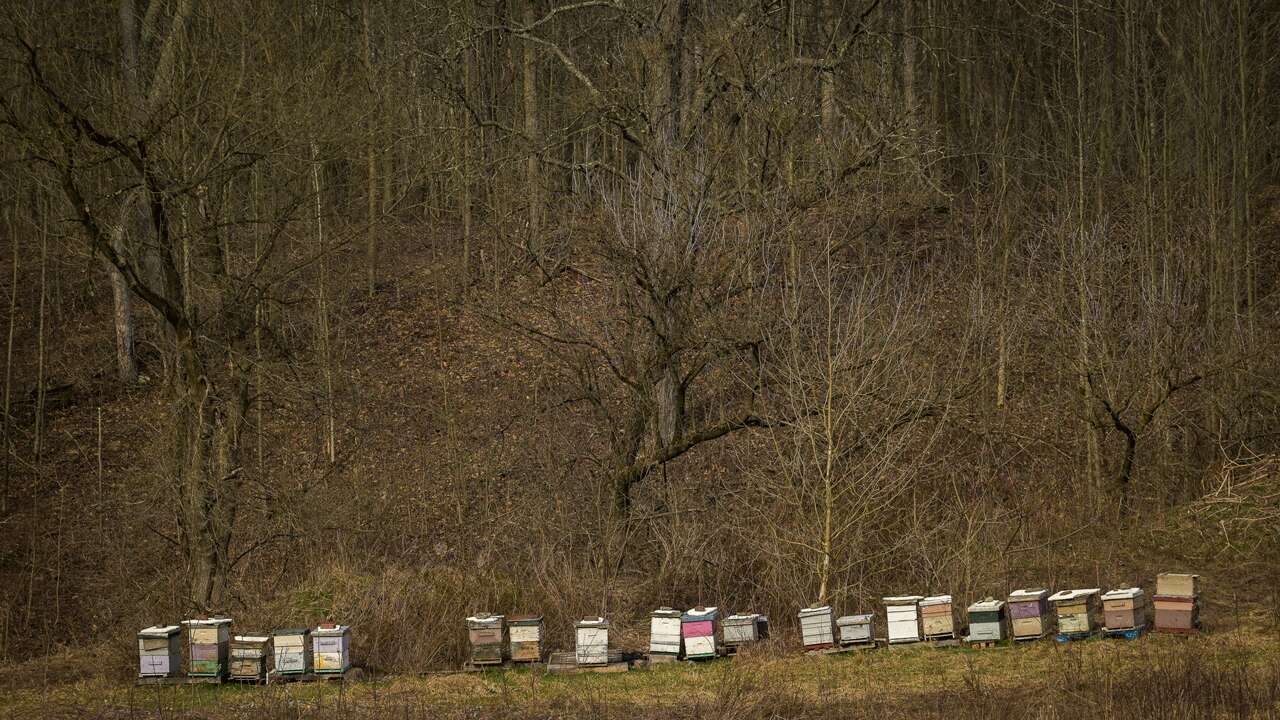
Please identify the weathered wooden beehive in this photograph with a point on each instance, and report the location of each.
(937, 618)
(208, 646)
(1124, 609)
(818, 627)
(249, 657)
(525, 632)
(159, 651)
(855, 629)
(701, 632)
(902, 613)
(664, 633)
(1029, 614)
(1079, 612)
(1177, 603)
(986, 621)
(592, 646)
(487, 635)
(331, 648)
(291, 651)
(744, 629)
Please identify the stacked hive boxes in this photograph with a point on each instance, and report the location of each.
(207, 646)
(1177, 603)
(1124, 609)
(700, 628)
(855, 630)
(592, 647)
(331, 648)
(903, 615)
(817, 627)
(1078, 611)
(159, 651)
(1029, 610)
(525, 632)
(936, 618)
(986, 621)
(488, 637)
(664, 634)
(744, 629)
(249, 657)
(291, 651)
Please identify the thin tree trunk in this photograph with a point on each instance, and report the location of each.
(8, 360)
(532, 169)
(322, 312)
(371, 239)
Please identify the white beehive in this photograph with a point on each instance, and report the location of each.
(902, 614)
(745, 628)
(208, 646)
(1079, 611)
(159, 651)
(291, 651)
(664, 632)
(855, 629)
(331, 648)
(592, 646)
(818, 627)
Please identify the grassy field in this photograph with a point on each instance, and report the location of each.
(1231, 675)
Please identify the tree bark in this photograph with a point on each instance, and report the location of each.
(533, 175)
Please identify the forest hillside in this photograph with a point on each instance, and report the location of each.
(391, 312)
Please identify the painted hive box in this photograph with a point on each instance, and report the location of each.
(1183, 584)
(1176, 613)
(1029, 613)
(249, 656)
(700, 630)
(902, 615)
(525, 632)
(986, 621)
(855, 629)
(936, 618)
(1124, 609)
(159, 651)
(592, 641)
(817, 627)
(1078, 610)
(487, 635)
(208, 641)
(291, 651)
(664, 632)
(331, 648)
(745, 628)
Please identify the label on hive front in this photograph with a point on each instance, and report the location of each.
(330, 661)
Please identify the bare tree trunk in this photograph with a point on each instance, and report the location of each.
(322, 312)
(122, 297)
(371, 240)
(532, 170)
(8, 360)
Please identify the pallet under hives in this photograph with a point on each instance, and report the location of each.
(567, 663)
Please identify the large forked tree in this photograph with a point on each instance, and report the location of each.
(206, 259)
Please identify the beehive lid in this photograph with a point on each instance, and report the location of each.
(159, 631)
(936, 600)
(596, 622)
(524, 620)
(207, 622)
(331, 630)
(701, 613)
(665, 612)
(258, 639)
(815, 611)
(1123, 594)
(742, 618)
(902, 599)
(853, 619)
(484, 620)
(1028, 594)
(290, 631)
(1064, 595)
(987, 605)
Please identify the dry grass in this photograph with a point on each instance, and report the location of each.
(1232, 675)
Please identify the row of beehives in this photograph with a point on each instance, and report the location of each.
(695, 634)
(213, 652)
(1024, 615)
